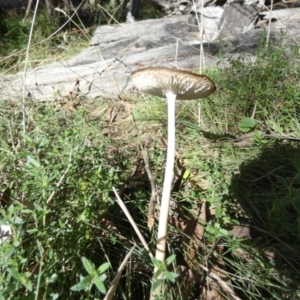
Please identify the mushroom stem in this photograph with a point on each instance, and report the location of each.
(168, 179)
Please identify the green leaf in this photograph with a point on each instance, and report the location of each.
(14, 273)
(32, 161)
(218, 211)
(168, 275)
(103, 267)
(54, 296)
(16, 244)
(102, 277)
(155, 285)
(23, 154)
(88, 266)
(27, 138)
(233, 221)
(186, 174)
(28, 284)
(223, 232)
(170, 259)
(83, 284)
(175, 275)
(157, 263)
(17, 220)
(137, 113)
(100, 285)
(282, 181)
(246, 124)
(296, 200)
(297, 162)
(158, 272)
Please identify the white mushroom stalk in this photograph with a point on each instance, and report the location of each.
(172, 84)
(168, 180)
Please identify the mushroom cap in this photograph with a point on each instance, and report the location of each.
(186, 85)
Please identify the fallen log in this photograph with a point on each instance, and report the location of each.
(115, 51)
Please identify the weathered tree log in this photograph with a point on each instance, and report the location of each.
(103, 69)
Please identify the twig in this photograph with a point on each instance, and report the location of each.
(133, 224)
(222, 283)
(212, 249)
(254, 110)
(266, 175)
(110, 293)
(265, 135)
(269, 27)
(61, 178)
(26, 63)
(70, 18)
(201, 56)
(27, 9)
(281, 137)
(40, 270)
(201, 32)
(152, 201)
(250, 135)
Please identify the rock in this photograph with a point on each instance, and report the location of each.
(211, 19)
(258, 3)
(283, 15)
(237, 18)
(224, 20)
(5, 233)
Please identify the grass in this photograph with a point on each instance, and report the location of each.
(236, 199)
(45, 48)
(46, 233)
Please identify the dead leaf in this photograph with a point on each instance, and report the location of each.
(105, 131)
(95, 114)
(70, 106)
(211, 289)
(111, 113)
(241, 231)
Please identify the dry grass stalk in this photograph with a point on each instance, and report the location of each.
(133, 224)
(110, 293)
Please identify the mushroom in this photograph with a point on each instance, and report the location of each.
(173, 84)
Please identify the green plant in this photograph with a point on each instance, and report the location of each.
(162, 276)
(46, 46)
(59, 178)
(95, 277)
(235, 206)
(246, 124)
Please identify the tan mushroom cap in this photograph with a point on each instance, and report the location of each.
(186, 85)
